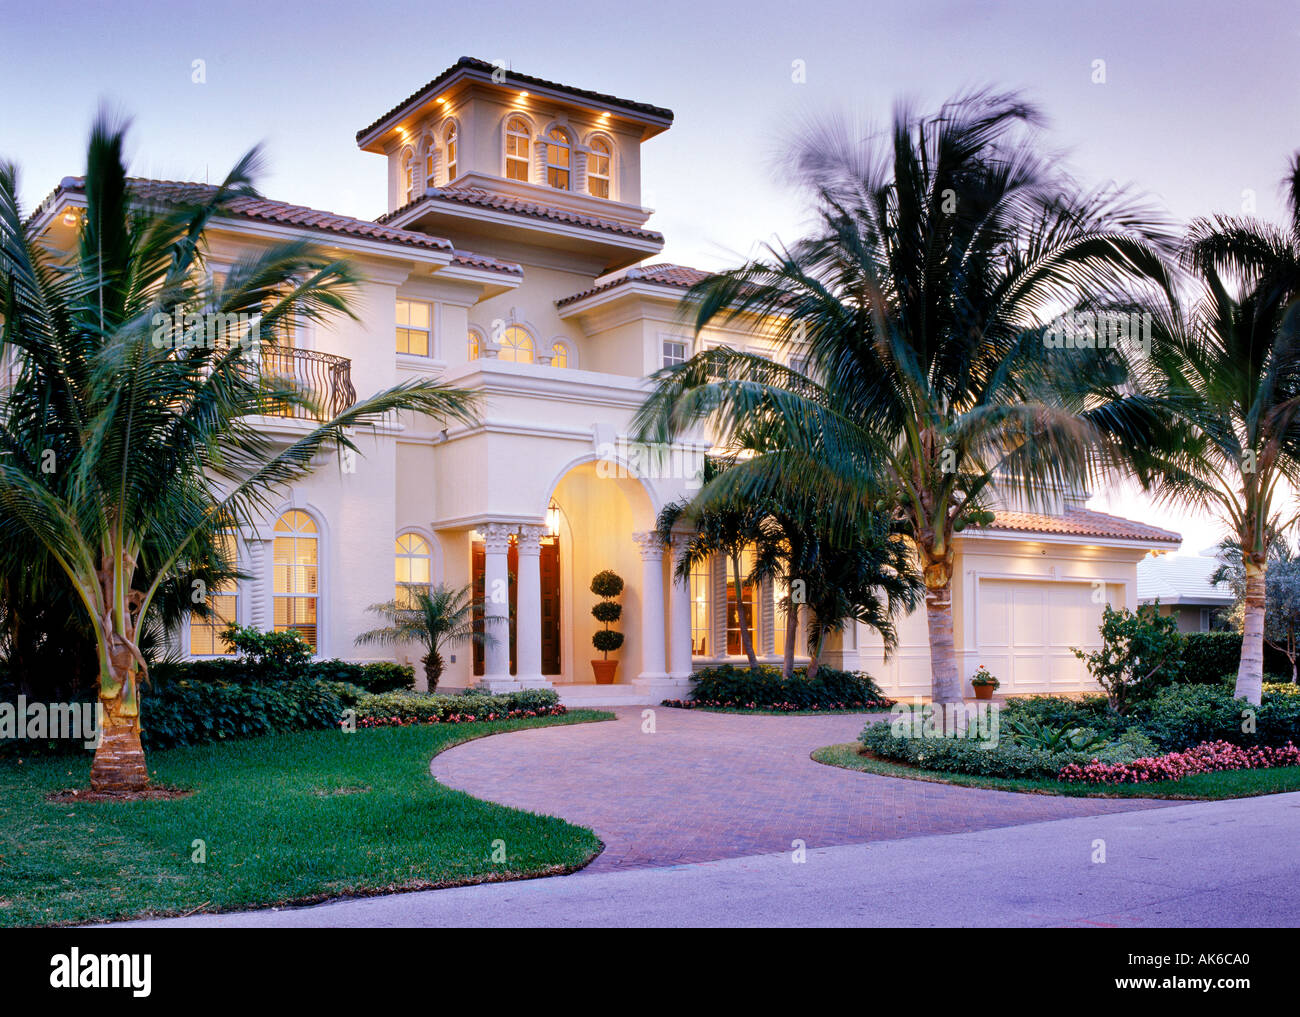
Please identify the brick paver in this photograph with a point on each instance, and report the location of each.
(707, 786)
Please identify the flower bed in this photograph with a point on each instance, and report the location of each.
(1208, 757)
(399, 709)
(781, 707)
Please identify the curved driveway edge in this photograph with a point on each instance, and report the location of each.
(708, 786)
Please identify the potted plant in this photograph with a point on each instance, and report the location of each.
(606, 585)
(984, 683)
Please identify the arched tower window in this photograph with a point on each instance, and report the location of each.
(598, 168)
(559, 156)
(518, 147)
(451, 142)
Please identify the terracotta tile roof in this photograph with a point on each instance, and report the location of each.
(517, 206)
(472, 260)
(663, 274)
(513, 78)
(285, 214)
(1082, 523)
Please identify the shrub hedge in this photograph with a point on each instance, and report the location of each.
(401, 708)
(727, 685)
(373, 676)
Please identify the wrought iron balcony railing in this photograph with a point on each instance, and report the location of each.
(327, 378)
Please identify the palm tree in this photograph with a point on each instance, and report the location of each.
(442, 617)
(942, 251)
(726, 529)
(1228, 372)
(122, 457)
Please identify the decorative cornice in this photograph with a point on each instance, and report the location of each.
(650, 544)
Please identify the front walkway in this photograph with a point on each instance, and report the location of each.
(707, 786)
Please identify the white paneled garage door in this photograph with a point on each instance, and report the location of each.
(1026, 631)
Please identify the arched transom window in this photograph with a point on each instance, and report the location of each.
(296, 560)
(598, 168)
(408, 176)
(222, 602)
(517, 149)
(516, 345)
(475, 344)
(414, 568)
(559, 355)
(559, 154)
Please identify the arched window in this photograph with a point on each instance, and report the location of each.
(408, 176)
(222, 601)
(414, 568)
(429, 158)
(475, 344)
(296, 561)
(516, 345)
(558, 155)
(517, 149)
(451, 141)
(598, 168)
(559, 355)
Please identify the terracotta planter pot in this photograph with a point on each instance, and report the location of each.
(604, 671)
(983, 691)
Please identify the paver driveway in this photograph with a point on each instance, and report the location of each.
(706, 786)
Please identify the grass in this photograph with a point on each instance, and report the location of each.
(1198, 787)
(287, 819)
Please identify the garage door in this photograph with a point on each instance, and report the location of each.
(1026, 632)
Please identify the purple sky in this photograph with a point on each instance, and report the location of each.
(1199, 105)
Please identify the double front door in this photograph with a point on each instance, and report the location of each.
(550, 569)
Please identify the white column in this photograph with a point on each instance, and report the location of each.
(679, 615)
(496, 609)
(653, 671)
(528, 609)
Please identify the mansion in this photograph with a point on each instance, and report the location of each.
(516, 261)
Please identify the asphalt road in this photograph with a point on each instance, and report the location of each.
(1230, 863)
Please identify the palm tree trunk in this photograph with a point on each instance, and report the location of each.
(814, 658)
(791, 637)
(1250, 675)
(118, 767)
(432, 669)
(742, 616)
(945, 684)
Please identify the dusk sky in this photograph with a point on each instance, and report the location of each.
(1199, 104)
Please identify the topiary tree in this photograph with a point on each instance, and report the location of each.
(607, 585)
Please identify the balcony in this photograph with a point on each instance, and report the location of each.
(327, 379)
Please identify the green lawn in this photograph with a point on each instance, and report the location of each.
(1199, 787)
(286, 819)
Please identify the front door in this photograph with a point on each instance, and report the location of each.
(551, 606)
(479, 560)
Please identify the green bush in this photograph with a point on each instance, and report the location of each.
(1185, 715)
(373, 676)
(426, 708)
(1008, 758)
(727, 685)
(191, 713)
(1208, 656)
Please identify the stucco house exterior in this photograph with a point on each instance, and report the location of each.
(513, 261)
(1180, 585)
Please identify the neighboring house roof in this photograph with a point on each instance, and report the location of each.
(680, 277)
(1180, 579)
(473, 64)
(1082, 523)
(300, 216)
(518, 206)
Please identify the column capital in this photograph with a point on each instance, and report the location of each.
(650, 544)
(496, 537)
(530, 538)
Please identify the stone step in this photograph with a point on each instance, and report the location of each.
(575, 696)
